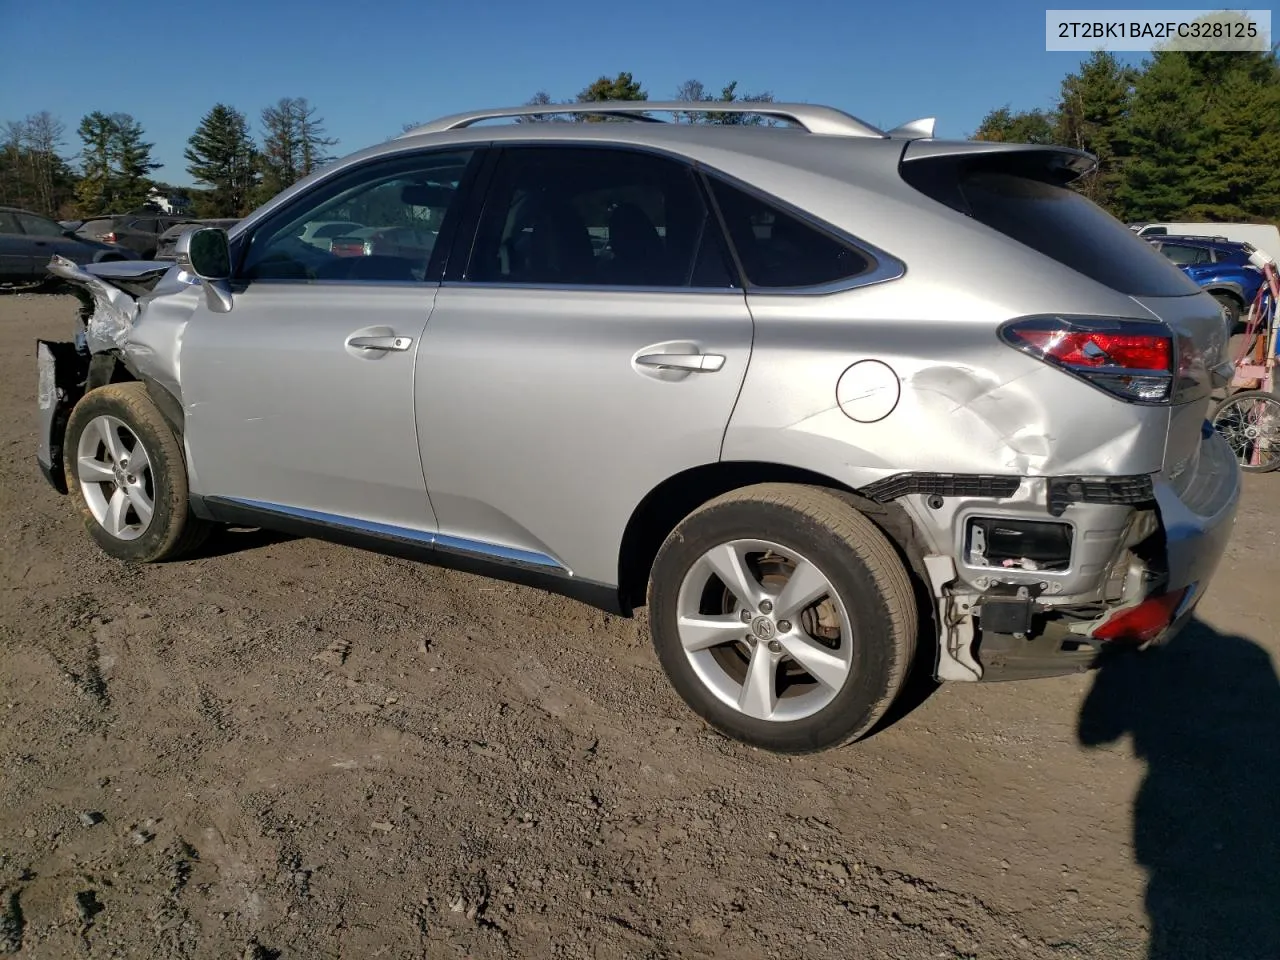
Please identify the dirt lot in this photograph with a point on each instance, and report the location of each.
(286, 748)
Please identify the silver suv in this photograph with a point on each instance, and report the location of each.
(828, 400)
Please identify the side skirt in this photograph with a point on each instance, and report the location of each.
(468, 556)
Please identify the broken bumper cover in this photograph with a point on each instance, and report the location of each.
(60, 382)
(1196, 516)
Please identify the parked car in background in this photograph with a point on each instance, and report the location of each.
(1220, 267)
(169, 239)
(28, 241)
(139, 231)
(822, 390)
(1263, 236)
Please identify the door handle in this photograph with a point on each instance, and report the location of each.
(380, 343)
(692, 362)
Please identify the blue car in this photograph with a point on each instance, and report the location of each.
(1219, 266)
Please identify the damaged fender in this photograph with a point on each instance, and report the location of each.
(135, 319)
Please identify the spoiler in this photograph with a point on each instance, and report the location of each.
(1039, 161)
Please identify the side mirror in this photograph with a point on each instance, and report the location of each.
(206, 252)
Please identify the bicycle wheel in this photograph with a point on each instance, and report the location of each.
(1250, 423)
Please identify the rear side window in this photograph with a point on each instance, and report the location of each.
(8, 222)
(1179, 253)
(780, 250)
(1057, 222)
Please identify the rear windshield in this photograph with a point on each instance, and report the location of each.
(1057, 222)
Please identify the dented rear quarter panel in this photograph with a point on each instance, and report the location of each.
(967, 403)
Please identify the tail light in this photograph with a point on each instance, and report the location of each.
(108, 237)
(1135, 360)
(1143, 622)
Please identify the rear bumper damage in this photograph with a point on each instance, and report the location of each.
(1123, 562)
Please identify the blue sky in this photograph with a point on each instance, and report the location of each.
(372, 66)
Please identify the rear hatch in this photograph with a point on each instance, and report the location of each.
(1022, 191)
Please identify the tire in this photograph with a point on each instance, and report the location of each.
(861, 586)
(1233, 308)
(124, 412)
(1250, 420)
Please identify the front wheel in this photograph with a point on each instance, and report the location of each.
(1250, 423)
(126, 474)
(783, 617)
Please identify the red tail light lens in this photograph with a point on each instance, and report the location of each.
(108, 238)
(1132, 359)
(1143, 622)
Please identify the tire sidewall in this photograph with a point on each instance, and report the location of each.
(169, 483)
(870, 679)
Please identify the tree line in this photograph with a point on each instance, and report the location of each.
(112, 170)
(1186, 136)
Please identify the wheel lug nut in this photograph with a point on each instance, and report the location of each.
(766, 606)
(775, 646)
(784, 626)
(746, 616)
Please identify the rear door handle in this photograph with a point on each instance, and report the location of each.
(379, 343)
(692, 362)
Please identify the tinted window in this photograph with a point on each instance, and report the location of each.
(778, 249)
(378, 224)
(1183, 254)
(590, 216)
(146, 226)
(8, 222)
(1057, 222)
(38, 226)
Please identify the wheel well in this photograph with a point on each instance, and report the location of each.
(675, 498)
(1228, 293)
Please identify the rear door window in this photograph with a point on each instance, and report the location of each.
(1055, 221)
(592, 216)
(38, 226)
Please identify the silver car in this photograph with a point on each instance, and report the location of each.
(830, 401)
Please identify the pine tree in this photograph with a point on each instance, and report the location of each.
(221, 154)
(131, 157)
(1092, 115)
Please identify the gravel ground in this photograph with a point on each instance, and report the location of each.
(290, 749)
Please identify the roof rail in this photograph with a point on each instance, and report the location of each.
(813, 118)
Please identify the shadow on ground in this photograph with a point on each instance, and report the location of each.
(1204, 715)
(228, 540)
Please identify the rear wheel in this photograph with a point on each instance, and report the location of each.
(126, 474)
(1250, 423)
(1233, 308)
(783, 617)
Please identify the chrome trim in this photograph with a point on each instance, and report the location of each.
(438, 540)
(333, 282)
(736, 292)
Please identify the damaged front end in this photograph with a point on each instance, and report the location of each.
(130, 329)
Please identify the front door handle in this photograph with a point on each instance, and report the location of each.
(379, 343)
(692, 362)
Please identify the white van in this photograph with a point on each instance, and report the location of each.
(1264, 236)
